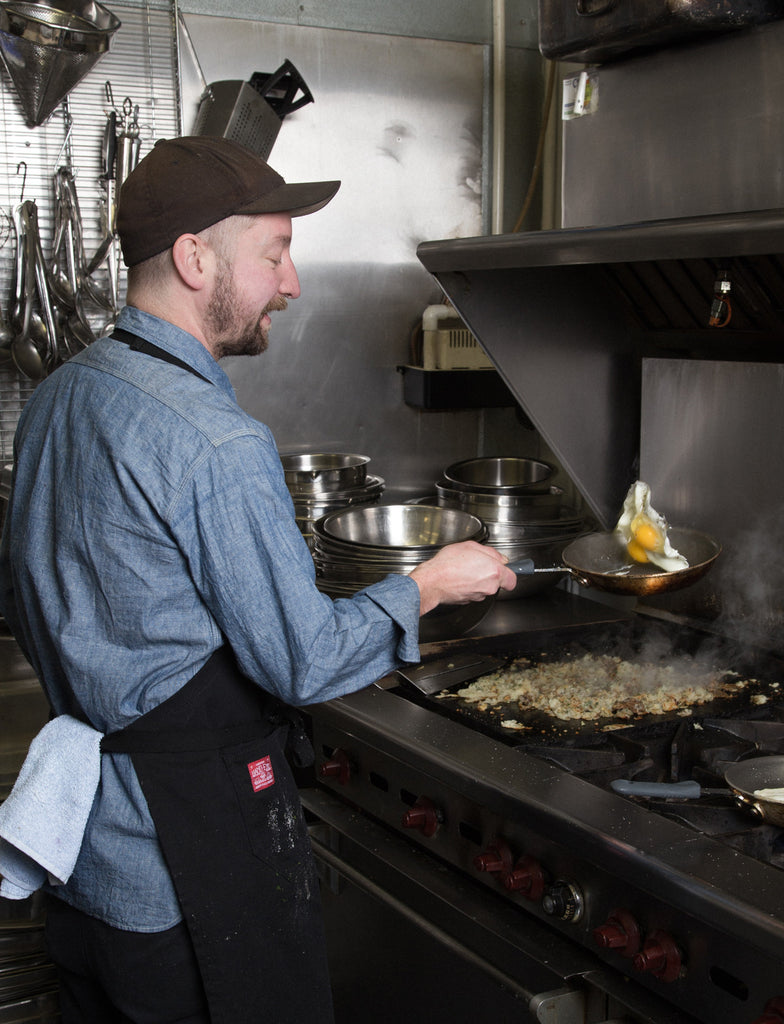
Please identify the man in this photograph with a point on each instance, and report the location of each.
(153, 572)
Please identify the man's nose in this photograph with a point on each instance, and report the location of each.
(289, 286)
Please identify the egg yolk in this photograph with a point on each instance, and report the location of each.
(646, 535)
(636, 551)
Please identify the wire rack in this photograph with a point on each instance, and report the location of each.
(141, 65)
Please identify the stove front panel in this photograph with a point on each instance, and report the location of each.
(697, 923)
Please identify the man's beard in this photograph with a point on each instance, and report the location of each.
(230, 335)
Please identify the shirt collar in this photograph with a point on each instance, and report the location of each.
(176, 341)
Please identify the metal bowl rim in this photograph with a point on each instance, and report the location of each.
(465, 485)
(321, 526)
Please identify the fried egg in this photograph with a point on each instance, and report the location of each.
(644, 531)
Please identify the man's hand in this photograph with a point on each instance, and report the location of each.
(460, 573)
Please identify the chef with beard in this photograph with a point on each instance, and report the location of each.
(154, 574)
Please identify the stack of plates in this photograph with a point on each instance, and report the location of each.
(355, 547)
(321, 483)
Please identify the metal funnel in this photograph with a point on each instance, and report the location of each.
(48, 50)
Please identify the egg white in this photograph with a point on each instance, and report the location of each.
(637, 511)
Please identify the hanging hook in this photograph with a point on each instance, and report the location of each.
(22, 163)
(66, 146)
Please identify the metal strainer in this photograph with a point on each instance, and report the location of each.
(48, 50)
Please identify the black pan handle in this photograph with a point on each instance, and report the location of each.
(526, 567)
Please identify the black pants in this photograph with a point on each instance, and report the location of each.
(108, 976)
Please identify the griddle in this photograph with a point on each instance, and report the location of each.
(635, 640)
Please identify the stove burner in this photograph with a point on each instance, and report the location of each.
(693, 750)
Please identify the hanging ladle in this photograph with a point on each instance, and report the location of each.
(6, 331)
(34, 348)
(24, 351)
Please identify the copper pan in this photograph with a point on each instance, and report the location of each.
(600, 560)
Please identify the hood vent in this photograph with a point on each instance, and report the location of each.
(676, 295)
(566, 317)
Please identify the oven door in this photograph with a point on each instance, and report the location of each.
(415, 939)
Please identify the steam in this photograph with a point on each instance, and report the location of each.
(752, 583)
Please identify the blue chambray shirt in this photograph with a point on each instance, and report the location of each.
(149, 519)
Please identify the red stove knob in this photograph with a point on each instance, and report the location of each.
(423, 815)
(496, 860)
(339, 767)
(527, 878)
(773, 1012)
(619, 932)
(659, 957)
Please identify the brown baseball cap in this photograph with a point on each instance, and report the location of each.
(184, 185)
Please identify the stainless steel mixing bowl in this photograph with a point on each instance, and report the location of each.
(500, 475)
(377, 528)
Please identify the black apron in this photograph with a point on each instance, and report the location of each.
(212, 761)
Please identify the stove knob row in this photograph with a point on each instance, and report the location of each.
(524, 876)
(620, 932)
(423, 816)
(660, 957)
(496, 860)
(527, 878)
(338, 767)
(657, 955)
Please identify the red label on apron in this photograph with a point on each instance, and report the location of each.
(261, 775)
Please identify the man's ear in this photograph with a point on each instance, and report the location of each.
(192, 260)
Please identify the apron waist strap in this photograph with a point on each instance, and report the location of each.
(218, 707)
(156, 742)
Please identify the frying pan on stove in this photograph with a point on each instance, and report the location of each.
(745, 779)
(600, 560)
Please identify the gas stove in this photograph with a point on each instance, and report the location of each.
(672, 909)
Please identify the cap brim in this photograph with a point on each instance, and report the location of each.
(296, 199)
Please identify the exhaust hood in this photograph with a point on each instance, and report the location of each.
(566, 316)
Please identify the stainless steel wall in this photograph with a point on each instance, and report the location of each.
(684, 131)
(712, 447)
(403, 123)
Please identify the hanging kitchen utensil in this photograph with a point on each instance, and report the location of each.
(128, 142)
(68, 206)
(34, 346)
(600, 560)
(284, 89)
(248, 113)
(251, 113)
(108, 159)
(6, 331)
(49, 49)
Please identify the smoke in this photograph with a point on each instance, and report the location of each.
(752, 582)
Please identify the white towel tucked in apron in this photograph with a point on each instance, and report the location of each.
(42, 821)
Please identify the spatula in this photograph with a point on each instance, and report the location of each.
(433, 676)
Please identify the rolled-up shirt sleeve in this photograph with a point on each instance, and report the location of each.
(235, 522)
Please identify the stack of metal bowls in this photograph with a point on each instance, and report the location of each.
(355, 547)
(320, 483)
(521, 508)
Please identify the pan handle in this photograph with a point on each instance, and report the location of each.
(526, 567)
(687, 790)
